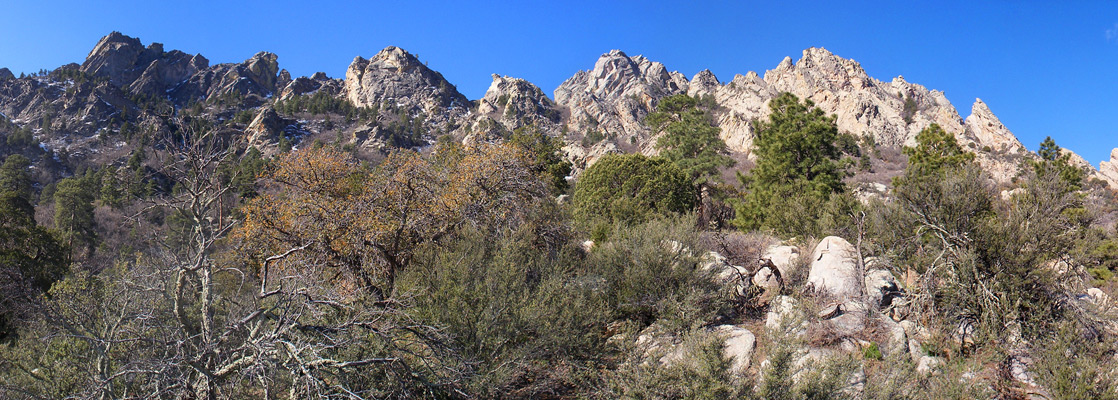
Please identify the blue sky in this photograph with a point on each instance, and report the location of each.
(1045, 68)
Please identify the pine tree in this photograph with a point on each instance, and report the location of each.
(690, 140)
(797, 169)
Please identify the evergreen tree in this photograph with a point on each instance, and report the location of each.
(935, 151)
(690, 140)
(797, 169)
(546, 158)
(15, 176)
(73, 212)
(30, 257)
(1053, 162)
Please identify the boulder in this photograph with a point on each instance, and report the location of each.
(881, 288)
(767, 277)
(834, 270)
(785, 314)
(587, 245)
(898, 339)
(785, 258)
(927, 365)
(1098, 297)
(739, 346)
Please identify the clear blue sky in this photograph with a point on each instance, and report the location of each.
(1045, 68)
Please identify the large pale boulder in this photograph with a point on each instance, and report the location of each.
(834, 270)
(785, 258)
(738, 346)
(767, 277)
(732, 277)
(785, 315)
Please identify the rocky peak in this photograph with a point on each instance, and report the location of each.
(396, 58)
(615, 96)
(394, 74)
(119, 57)
(6, 74)
(988, 130)
(131, 66)
(703, 82)
(511, 103)
(517, 94)
(263, 69)
(818, 68)
(617, 74)
(398, 78)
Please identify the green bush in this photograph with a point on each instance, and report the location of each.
(631, 189)
(871, 352)
(650, 273)
(515, 310)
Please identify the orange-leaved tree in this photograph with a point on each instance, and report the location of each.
(366, 224)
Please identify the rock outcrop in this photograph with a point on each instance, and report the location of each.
(6, 74)
(834, 270)
(318, 82)
(138, 69)
(256, 77)
(266, 128)
(615, 96)
(738, 346)
(395, 78)
(511, 103)
(1108, 170)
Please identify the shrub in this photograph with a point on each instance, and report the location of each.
(872, 352)
(516, 311)
(631, 189)
(650, 273)
(701, 373)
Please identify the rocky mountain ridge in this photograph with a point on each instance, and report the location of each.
(595, 112)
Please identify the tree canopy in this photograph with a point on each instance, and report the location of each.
(689, 138)
(797, 168)
(631, 188)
